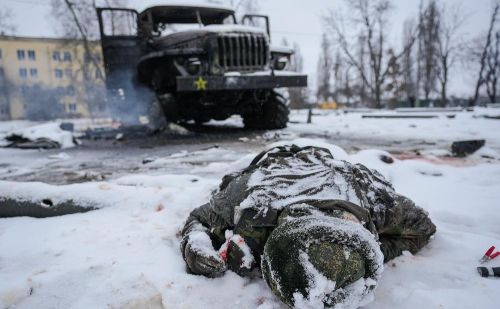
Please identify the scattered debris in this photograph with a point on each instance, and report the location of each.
(148, 160)
(124, 133)
(429, 109)
(175, 128)
(464, 148)
(487, 153)
(23, 143)
(67, 126)
(44, 136)
(436, 174)
(405, 116)
(209, 148)
(60, 156)
(136, 131)
(84, 176)
(386, 159)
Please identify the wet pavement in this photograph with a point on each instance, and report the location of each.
(99, 160)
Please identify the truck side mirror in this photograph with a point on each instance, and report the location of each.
(259, 21)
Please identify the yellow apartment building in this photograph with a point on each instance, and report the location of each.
(29, 65)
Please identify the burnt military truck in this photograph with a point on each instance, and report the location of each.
(199, 63)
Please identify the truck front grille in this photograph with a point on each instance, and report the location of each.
(243, 51)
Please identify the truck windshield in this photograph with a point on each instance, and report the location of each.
(170, 28)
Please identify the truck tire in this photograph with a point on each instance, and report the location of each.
(157, 119)
(272, 116)
(170, 107)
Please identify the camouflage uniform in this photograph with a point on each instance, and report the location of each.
(283, 184)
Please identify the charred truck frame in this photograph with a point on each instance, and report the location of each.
(214, 70)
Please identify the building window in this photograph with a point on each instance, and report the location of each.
(58, 73)
(69, 73)
(56, 56)
(4, 110)
(31, 55)
(21, 55)
(70, 90)
(2, 72)
(67, 56)
(0, 53)
(24, 89)
(90, 58)
(72, 107)
(34, 73)
(23, 73)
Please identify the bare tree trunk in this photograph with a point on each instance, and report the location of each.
(493, 60)
(371, 17)
(85, 40)
(480, 80)
(429, 31)
(444, 83)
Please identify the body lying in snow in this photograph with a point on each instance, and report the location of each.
(318, 229)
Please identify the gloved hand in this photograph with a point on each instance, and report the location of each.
(239, 256)
(201, 257)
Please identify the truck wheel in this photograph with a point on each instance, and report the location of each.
(273, 114)
(170, 107)
(156, 116)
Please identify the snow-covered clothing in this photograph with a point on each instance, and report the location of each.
(348, 216)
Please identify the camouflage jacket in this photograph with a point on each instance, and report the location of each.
(249, 202)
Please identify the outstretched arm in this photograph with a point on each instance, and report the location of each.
(407, 228)
(198, 241)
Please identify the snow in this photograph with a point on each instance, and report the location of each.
(233, 28)
(145, 4)
(320, 286)
(126, 254)
(464, 126)
(266, 186)
(281, 49)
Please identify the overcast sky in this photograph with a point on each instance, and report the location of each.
(297, 20)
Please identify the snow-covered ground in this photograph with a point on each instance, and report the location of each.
(126, 255)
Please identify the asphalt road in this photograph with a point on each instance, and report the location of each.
(101, 159)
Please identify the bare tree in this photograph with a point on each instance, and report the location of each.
(395, 80)
(372, 19)
(242, 7)
(493, 69)
(77, 21)
(298, 96)
(483, 59)
(325, 65)
(6, 23)
(410, 83)
(420, 53)
(338, 76)
(428, 34)
(449, 46)
(360, 83)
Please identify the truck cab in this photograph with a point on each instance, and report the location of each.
(199, 62)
